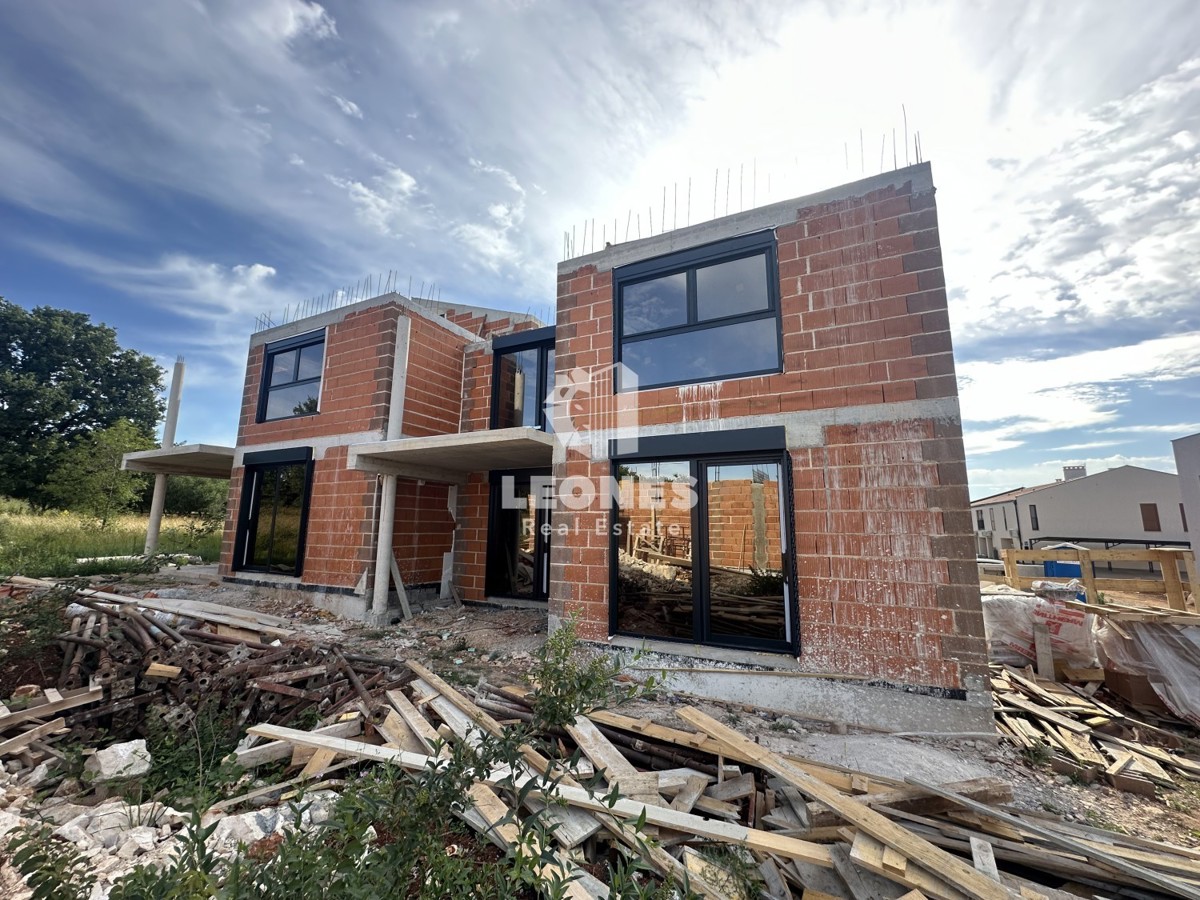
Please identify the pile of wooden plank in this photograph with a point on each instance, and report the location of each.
(127, 659)
(807, 829)
(1084, 737)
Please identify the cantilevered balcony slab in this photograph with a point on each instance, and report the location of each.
(450, 458)
(205, 460)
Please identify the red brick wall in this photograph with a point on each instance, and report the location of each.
(424, 530)
(887, 584)
(434, 389)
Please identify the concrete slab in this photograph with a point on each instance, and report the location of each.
(204, 460)
(450, 458)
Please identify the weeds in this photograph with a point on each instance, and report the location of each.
(53, 869)
(568, 686)
(40, 545)
(189, 763)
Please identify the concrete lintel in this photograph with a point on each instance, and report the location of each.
(759, 219)
(416, 473)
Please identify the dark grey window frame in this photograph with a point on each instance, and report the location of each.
(539, 339)
(270, 351)
(1033, 518)
(745, 445)
(979, 520)
(254, 464)
(688, 261)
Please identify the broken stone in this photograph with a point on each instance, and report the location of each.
(40, 774)
(128, 760)
(138, 841)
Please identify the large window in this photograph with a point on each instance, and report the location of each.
(703, 314)
(521, 379)
(291, 380)
(1033, 518)
(274, 511)
(702, 551)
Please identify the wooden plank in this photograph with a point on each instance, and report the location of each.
(1173, 585)
(318, 763)
(238, 632)
(70, 700)
(498, 818)
(1044, 651)
(837, 776)
(398, 734)
(856, 884)
(868, 852)
(277, 750)
(686, 798)
(1089, 851)
(608, 759)
(984, 858)
(920, 851)
(1048, 715)
(425, 733)
(23, 740)
(732, 788)
(987, 790)
(1087, 569)
(272, 788)
(159, 670)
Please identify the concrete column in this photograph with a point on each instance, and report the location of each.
(383, 548)
(168, 440)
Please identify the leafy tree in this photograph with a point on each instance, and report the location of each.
(190, 495)
(61, 379)
(89, 477)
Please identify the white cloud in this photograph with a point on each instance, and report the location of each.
(349, 107)
(1176, 429)
(383, 205)
(1022, 397)
(1087, 445)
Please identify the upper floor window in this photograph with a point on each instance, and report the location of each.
(1033, 518)
(702, 314)
(522, 376)
(291, 380)
(979, 520)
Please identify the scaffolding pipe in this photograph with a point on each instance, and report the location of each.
(159, 499)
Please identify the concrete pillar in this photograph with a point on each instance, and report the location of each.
(383, 548)
(168, 440)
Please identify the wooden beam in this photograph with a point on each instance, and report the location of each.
(72, 699)
(1173, 585)
(920, 851)
(1088, 851)
(21, 741)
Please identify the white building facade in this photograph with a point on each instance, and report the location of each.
(1187, 464)
(1124, 506)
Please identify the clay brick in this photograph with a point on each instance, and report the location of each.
(939, 386)
(921, 260)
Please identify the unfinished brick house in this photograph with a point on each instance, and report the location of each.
(751, 454)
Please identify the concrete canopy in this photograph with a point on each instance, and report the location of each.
(450, 458)
(204, 460)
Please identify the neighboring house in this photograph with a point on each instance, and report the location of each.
(1187, 464)
(1124, 506)
(751, 452)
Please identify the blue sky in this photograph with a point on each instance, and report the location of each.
(177, 169)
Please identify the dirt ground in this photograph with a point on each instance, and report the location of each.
(469, 643)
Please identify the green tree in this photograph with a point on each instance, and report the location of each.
(61, 379)
(89, 477)
(190, 495)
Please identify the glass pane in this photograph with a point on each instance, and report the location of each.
(293, 400)
(732, 288)
(548, 417)
(264, 501)
(654, 539)
(517, 398)
(650, 305)
(283, 367)
(289, 505)
(514, 546)
(311, 358)
(705, 355)
(746, 593)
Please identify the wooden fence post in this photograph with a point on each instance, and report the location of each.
(1088, 574)
(1010, 566)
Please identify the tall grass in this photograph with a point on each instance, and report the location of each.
(48, 544)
